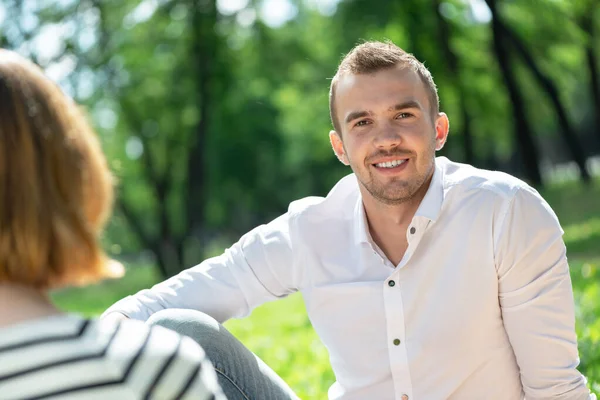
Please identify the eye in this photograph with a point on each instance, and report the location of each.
(404, 115)
(362, 122)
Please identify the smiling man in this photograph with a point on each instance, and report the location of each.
(425, 278)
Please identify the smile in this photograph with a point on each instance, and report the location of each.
(390, 164)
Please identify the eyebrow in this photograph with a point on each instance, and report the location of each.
(405, 105)
(356, 115)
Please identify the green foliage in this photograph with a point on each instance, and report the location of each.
(140, 67)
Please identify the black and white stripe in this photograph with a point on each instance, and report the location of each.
(91, 360)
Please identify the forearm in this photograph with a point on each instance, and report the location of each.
(227, 286)
(542, 334)
(208, 287)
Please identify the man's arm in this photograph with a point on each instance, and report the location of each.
(257, 269)
(536, 299)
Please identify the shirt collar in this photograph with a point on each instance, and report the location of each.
(361, 226)
(429, 208)
(431, 204)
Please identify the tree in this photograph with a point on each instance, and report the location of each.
(587, 24)
(454, 68)
(174, 158)
(567, 130)
(213, 120)
(522, 127)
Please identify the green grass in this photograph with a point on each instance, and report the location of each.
(578, 208)
(280, 332)
(282, 336)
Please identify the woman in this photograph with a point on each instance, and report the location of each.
(56, 193)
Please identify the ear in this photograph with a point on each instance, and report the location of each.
(442, 127)
(338, 147)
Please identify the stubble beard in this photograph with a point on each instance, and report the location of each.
(397, 191)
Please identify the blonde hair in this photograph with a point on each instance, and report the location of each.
(56, 190)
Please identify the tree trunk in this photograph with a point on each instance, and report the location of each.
(203, 47)
(587, 25)
(594, 83)
(567, 131)
(145, 239)
(522, 129)
(444, 33)
(162, 265)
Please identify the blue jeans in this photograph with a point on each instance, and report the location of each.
(242, 375)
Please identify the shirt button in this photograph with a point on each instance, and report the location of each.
(404, 397)
(396, 342)
(412, 232)
(391, 283)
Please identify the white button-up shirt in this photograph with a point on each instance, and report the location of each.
(480, 307)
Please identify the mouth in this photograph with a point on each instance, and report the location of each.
(392, 165)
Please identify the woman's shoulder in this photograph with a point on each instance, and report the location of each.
(155, 360)
(136, 358)
(135, 337)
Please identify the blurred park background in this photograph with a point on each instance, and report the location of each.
(214, 116)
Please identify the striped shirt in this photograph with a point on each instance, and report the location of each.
(66, 357)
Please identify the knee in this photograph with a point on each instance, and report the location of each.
(177, 318)
(197, 325)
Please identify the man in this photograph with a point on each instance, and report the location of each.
(425, 279)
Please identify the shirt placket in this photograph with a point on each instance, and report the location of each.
(394, 310)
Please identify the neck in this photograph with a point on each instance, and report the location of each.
(388, 223)
(20, 303)
(390, 215)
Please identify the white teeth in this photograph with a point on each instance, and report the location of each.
(390, 164)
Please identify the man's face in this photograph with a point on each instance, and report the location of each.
(389, 136)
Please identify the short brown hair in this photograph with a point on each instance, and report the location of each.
(56, 190)
(370, 57)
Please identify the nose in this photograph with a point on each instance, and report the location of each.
(388, 136)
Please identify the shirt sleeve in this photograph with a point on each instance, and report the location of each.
(257, 269)
(536, 299)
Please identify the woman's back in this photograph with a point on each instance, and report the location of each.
(68, 357)
(56, 194)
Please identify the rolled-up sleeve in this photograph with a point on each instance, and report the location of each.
(257, 269)
(536, 299)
